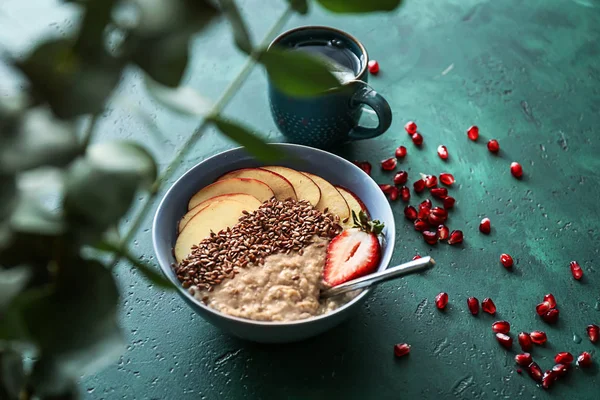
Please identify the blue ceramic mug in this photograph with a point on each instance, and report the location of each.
(331, 117)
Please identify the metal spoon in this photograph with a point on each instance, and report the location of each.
(378, 277)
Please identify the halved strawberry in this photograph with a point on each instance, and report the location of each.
(354, 252)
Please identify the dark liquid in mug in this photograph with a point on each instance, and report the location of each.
(344, 64)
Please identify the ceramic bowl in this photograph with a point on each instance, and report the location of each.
(331, 167)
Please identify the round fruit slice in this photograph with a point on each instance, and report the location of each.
(304, 187)
(282, 188)
(331, 199)
(354, 203)
(252, 187)
(215, 217)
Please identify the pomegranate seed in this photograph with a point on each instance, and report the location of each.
(430, 180)
(387, 189)
(423, 213)
(410, 127)
(473, 133)
(440, 193)
(593, 332)
(394, 193)
(449, 202)
(441, 300)
(443, 232)
(538, 337)
(417, 139)
(523, 359)
(388, 164)
(400, 178)
(401, 152)
(416, 257)
(493, 146)
(535, 372)
(473, 305)
(447, 179)
(516, 170)
(410, 213)
(405, 193)
(525, 341)
(401, 349)
(485, 226)
(501, 327)
(455, 237)
(584, 360)
(430, 237)
(563, 358)
(576, 270)
(373, 66)
(519, 370)
(419, 186)
(551, 316)
(542, 308)
(548, 379)
(426, 205)
(442, 152)
(437, 216)
(364, 165)
(488, 306)
(506, 260)
(550, 299)
(560, 369)
(504, 340)
(421, 225)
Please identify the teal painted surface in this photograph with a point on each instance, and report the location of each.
(528, 74)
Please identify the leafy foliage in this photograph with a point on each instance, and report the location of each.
(359, 6)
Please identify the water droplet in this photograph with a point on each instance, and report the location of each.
(576, 338)
(91, 390)
(597, 306)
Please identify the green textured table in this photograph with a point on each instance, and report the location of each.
(528, 74)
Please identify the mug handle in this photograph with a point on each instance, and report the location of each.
(365, 95)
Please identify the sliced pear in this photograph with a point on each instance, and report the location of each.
(304, 187)
(282, 188)
(246, 199)
(217, 216)
(331, 199)
(354, 203)
(252, 187)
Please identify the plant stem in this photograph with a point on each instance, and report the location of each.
(89, 132)
(227, 95)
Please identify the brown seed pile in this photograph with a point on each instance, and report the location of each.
(276, 227)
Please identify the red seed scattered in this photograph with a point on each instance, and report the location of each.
(440, 193)
(420, 225)
(394, 193)
(373, 66)
(506, 260)
(473, 305)
(563, 358)
(516, 170)
(400, 178)
(430, 180)
(401, 152)
(419, 186)
(584, 360)
(501, 327)
(364, 165)
(417, 139)
(424, 208)
(548, 379)
(410, 213)
(473, 133)
(388, 164)
(405, 193)
(560, 369)
(593, 332)
(437, 216)
(525, 341)
(430, 237)
(488, 306)
(551, 316)
(485, 226)
(443, 232)
(449, 202)
(456, 237)
(505, 340)
(576, 270)
(401, 349)
(447, 179)
(535, 372)
(523, 359)
(542, 308)
(410, 127)
(441, 300)
(550, 299)
(442, 152)
(387, 189)
(493, 146)
(538, 337)
(416, 257)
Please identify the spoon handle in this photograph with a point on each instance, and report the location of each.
(378, 277)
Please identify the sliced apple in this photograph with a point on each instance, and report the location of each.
(252, 187)
(331, 199)
(246, 199)
(217, 216)
(354, 202)
(304, 187)
(282, 188)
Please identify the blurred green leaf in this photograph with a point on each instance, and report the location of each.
(240, 30)
(8, 195)
(252, 142)
(298, 74)
(164, 58)
(96, 17)
(12, 282)
(161, 17)
(31, 216)
(12, 374)
(183, 100)
(300, 6)
(125, 157)
(359, 6)
(70, 393)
